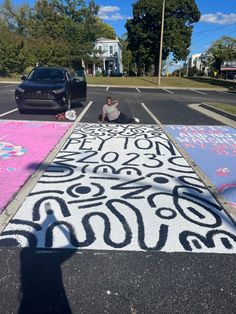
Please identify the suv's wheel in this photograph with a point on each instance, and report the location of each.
(21, 110)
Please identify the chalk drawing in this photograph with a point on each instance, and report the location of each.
(118, 187)
(25, 146)
(213, 148)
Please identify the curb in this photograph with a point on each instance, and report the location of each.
(159, 87)
(219, 117)
(24, 191)
(143, 87)
(219, 111)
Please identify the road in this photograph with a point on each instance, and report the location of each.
(129, 261)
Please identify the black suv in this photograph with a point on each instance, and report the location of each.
(51, 88)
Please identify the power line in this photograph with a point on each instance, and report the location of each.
(225, 11)
(202, 39)
(216, 28)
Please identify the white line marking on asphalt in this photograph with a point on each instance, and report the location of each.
(197, 91)
(107, 89)
(138, 90)
(12, 90)
(151, 114)
(8, 112)
(2, 85)
(84, 111)
(168, 91)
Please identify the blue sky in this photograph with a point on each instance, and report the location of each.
(218, 19)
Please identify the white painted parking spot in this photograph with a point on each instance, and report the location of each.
(121, 187)
(107, 89)
(138, 90)
(168, 91)
(198, 92)
(8, 112)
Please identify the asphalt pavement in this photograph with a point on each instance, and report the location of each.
(169, 106)
(111, 281)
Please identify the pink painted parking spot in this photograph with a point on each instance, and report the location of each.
(23, 147)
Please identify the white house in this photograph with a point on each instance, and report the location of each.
(110, 52)
(194, 61)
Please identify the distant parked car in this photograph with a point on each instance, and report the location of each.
(51, 88)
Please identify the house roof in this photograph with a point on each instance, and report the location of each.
(108, 40)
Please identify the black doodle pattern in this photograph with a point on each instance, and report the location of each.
(121, 187)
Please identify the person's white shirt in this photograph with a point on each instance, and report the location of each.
(111, 111)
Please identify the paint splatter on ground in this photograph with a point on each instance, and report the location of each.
(213, 149)
(121, 188)
(23, 147)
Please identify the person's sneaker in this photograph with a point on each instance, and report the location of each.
(136, 120)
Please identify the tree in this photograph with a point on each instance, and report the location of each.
(144, 30)
(223, 49)
(12, 51)
(104, 30)
(52, 32)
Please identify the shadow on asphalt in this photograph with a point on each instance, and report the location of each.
(215, 82)
(42, 289)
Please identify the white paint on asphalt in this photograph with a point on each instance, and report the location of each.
(107, 89)
(168, 91)
(6, 86)
(121, 187)
(197, 91)
(138, 90)
(154, 118)
(84, 111)
(8, 112)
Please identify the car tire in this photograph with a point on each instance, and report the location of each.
(21, 110)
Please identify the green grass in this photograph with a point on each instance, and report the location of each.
(224, 107)
(166, 82)
(149, 81)
(10, 79)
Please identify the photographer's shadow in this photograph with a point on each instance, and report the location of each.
(42, 288)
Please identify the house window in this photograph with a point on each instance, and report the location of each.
(100, 47)
(111, 50)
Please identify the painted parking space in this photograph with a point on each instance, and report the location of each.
(114, 187)
(23, 147)
(213, 149)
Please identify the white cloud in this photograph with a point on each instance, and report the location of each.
(108, 9)
(219, 18)
(111, 13)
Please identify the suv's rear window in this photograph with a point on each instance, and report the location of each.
(55, 75)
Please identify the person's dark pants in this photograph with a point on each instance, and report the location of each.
(122, 119)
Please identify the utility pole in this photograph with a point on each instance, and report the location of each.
(161, 43)
(187, 69)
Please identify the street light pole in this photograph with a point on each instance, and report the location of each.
(161, 43)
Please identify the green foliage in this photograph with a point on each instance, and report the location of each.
(12, 52)
(144, 30)
(53, 32)
(223, 49)
(104, 30)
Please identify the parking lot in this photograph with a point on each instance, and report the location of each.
(170, 106)
(118, 222)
